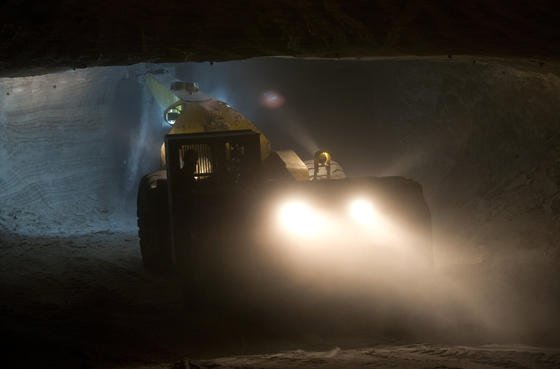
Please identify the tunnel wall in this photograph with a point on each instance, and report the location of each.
(484, 140)
(64, 143)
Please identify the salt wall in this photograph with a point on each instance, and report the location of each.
(66, 140)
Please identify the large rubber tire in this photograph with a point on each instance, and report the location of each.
(153, 223)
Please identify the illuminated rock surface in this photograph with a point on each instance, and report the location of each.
(63, 150)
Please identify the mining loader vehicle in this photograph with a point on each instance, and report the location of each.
(225, 209)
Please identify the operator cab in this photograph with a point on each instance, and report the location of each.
(213, 157)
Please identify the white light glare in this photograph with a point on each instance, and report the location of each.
(299, 218)
(171, 115)
(362, 211)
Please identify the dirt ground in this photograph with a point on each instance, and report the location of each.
(85, 302)
(405, 356)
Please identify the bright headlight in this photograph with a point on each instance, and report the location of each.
(171, 115)
(363, 211)
(299, 218)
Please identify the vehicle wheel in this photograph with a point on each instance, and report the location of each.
(153, 223)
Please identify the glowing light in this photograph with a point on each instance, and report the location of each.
(171, 115)
(299, 219)
(362, 211)
(272, 99)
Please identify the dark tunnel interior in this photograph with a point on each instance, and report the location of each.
(481, 135)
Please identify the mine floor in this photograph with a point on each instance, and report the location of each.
(85, 302)
(404, 356)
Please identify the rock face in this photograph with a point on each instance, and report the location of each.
(63, 150)
(45, 36)
(490, 158)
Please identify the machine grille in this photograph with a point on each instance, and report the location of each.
(197, 158)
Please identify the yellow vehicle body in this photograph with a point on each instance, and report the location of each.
(199, 113)
(226, 201)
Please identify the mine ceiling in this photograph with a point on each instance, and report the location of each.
(44, 36)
